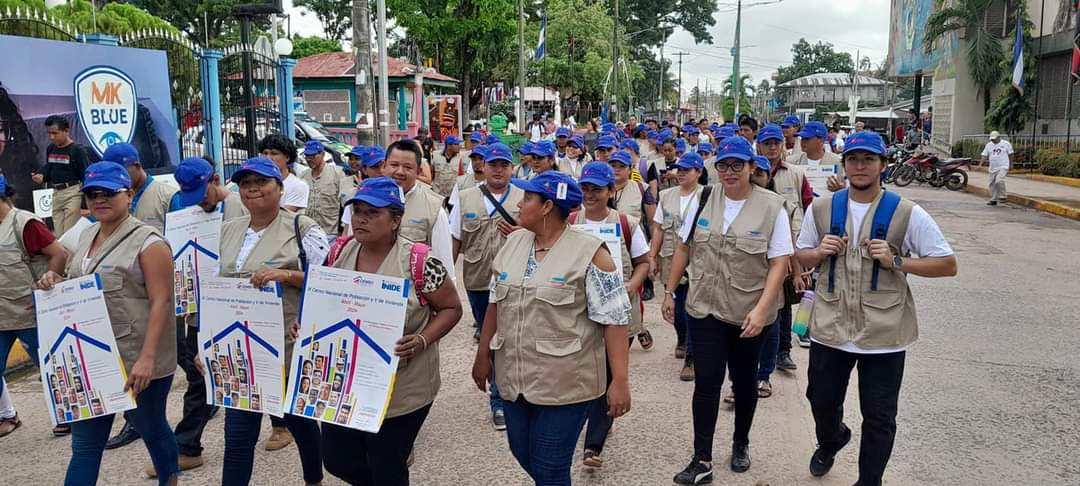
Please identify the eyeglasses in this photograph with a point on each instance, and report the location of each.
(96, 194)
(736, 166)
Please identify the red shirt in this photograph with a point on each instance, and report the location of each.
(36, 236)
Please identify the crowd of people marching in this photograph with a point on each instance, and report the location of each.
(719, 225)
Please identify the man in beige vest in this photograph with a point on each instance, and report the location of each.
(822, 168)
(479, 232)
(859, 320)
(446, 164)
(328, 185)
(152, 197)
(791, 126)
(425, 221)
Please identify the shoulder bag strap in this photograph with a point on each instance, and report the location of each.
(705, 192)
(498, 206)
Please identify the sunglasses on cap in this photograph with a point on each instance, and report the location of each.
(95, 194)
(735, 166)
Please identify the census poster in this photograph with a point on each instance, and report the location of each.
(194, 234)
(611, 233)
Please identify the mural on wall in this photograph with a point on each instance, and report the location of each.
(907, 56)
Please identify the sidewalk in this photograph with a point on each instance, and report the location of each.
(1035, 192)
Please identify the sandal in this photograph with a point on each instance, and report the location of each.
(592, 459)
(730, 398)
(764, 389)
(645, 338)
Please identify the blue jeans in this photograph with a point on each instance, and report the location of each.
(88, 437)
(7, 340)
(242, 432)
(542, 438)
(767, 356)
(682, 320)
(478, 302)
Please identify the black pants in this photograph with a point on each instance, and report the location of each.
(599, 422)
(196, 411)
(879, 389)
(785, 331)
(717, 345)
(362, 459)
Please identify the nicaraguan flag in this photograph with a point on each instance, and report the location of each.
(541, 45)
(1018, 58)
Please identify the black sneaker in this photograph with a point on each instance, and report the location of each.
(696, 473)
(991, 203)
(784, 362)
(740, 458)
(804, 341)
(127, 435)
(822, 461)
(498, 420)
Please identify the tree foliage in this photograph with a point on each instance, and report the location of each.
(807, 59)
(334, 15)
(693, 16)
(984, 54)
(309, 46)
(1013, 109)
(208, 23)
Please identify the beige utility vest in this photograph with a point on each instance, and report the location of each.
(324, 200)
(670, 202)
(546, 348)
(636, 322)
(422, 208)
(417, 380)
(852, 313)
(828, 159)
(234, 207)
(124, 287)
(467, 181)
(18, 273)
(276, 249)
(153, 204)
(445, 173)
(573, 167)
(481, 239)
(787, 181)
(796, 150)
(728, 269)
(629, 198)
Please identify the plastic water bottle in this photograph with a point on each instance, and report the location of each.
(801, 324)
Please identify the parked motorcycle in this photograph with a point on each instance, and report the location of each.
(928, 168)
(896, 155)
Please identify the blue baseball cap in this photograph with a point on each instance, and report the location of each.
(479, 151)
(374, 155)
(491, 139)
(194, 175)
(313, 147)
(608, 127)
(562, 132)
(762, 163)
(452, 140)
(623, 157)
(692, 130)
(770, 131)
(680, 146)
(543, 148)
(631, 145)
(578, 141)
(107, 175)
(258, 165)
(557, 186)
(704, 147)
(735, 147)
(476, 137)
(380, 192)
(726, 131)
(865, 140)
(498, 151)
(597, 174)
(690, 161)
(640, 127)
(653, 135)
(525, 148)
(607, 142)
(791, 121)
(358, 151)
(124, 154)
(814, 129)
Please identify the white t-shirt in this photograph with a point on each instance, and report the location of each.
(638, 244)
(922, 239)
(535, 132)
(684, 201)
(998, 154)
(150, 240)
(779, 244)
(296, 192)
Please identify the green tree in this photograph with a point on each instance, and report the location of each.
(334, 15)
(309, 46)
(984, 53)
(746, 87)
(648, 16)
(207, 23)
(1014, 109)
(807, 59)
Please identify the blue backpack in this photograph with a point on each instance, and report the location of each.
(879, 228)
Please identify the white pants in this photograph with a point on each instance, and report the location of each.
(997, 184)
(7, 409)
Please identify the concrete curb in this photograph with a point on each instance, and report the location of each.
(1044, 206)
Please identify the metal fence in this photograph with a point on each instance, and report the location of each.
(1025, 146)
(241, 100)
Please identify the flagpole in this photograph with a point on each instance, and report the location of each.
(1038, 60)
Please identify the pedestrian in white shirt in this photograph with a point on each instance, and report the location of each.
(999, 154)
(281, 150)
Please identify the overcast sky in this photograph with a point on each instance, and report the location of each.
(768, 31)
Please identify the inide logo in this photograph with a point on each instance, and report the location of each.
(393, 287)
(106, 103)
(86, 285)
(363, 281)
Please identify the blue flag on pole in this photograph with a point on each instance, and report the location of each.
(541, 45)
(1018, 57)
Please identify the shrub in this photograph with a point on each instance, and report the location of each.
(1055, 162)
(966, 148)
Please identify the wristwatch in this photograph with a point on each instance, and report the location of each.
(897, 261)
(672, 294)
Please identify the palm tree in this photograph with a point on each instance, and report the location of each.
(746, 87)
(985, 52)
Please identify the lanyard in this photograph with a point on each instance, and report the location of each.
(501, 200)
(138, 195)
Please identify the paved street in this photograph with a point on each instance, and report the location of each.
(991, 393)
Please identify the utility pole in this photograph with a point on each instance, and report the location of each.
(660, 96)
(678, 105)
(615, 64)
(735, 65)
(361, 44)
(384, 89)
(521, 65)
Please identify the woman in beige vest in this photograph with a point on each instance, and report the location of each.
(597, 186)
(28, 252)
(363, 458)
(576, 157)
(135, 266)
(262, 246)
(635, 199)
(543, 157)
(555, 321)
(736, 249)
